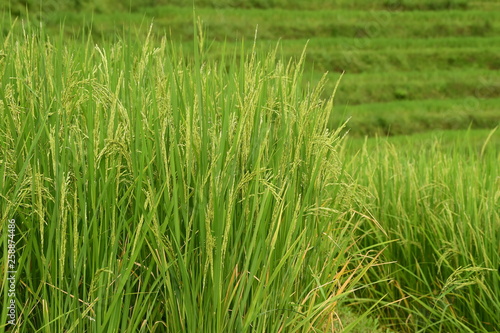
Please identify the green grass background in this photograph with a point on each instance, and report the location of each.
(391, 51)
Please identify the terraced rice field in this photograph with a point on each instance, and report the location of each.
(170, 176)
(392, 52)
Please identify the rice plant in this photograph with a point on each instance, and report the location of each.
(439, 204)
(156, 191)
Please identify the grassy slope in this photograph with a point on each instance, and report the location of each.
(388, 56)
(407, 117)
